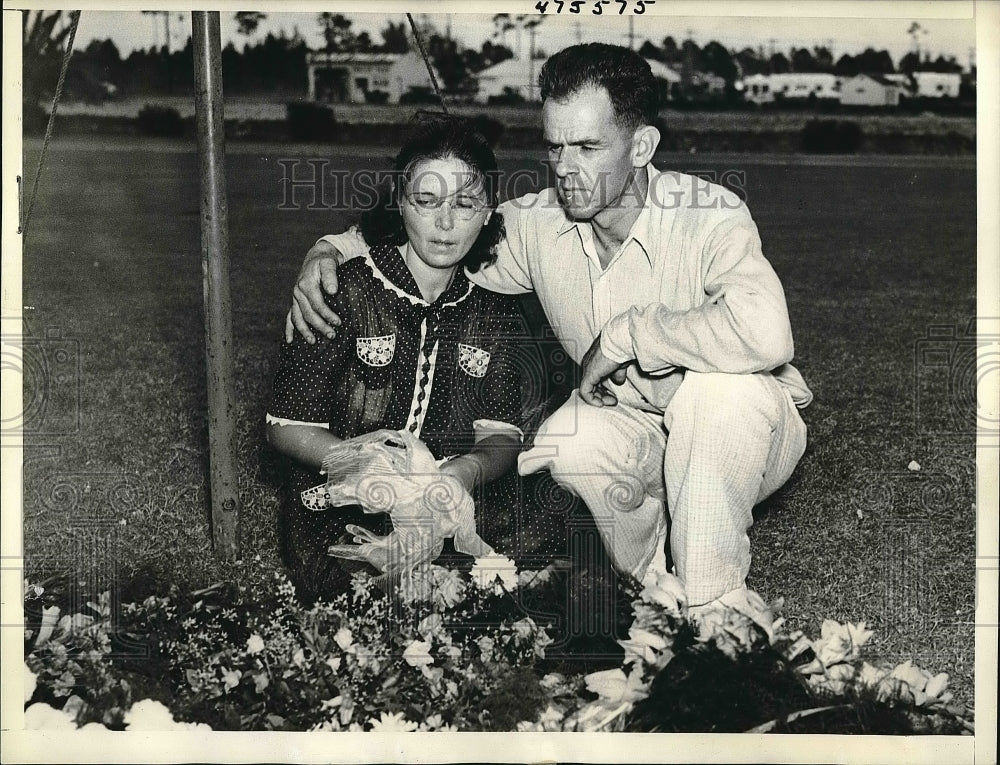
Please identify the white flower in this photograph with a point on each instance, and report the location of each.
(255, 644)
(487, 569)
(299, 657)
(924, 687)
(50, 617)
(417, 654)
(836, 678)
(485, 646)
(149, 715)
(430, 625)
(551, 681)
(32, 589)
(261, 681)
(551, 718)
(343, 638)
(614, 687)
(30, 681)
(523, 628)
(644, 645)
(433, 722)
(840, 642)
(870, 676)
(667, 591)
(936, 685)
(432, 584)
(44, 717)
(391, 723)
(231, 679)
(333, 663)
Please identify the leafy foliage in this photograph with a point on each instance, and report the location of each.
(454, 651)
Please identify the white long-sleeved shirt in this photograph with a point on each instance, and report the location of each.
(689, 288)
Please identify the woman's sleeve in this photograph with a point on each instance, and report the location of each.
(307, 375)
(507, 387)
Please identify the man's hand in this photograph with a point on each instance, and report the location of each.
(596, 369)
(309, 309)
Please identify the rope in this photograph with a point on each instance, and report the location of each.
(74, 23)
(427, 63)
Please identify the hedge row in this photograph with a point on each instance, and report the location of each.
(316, 123)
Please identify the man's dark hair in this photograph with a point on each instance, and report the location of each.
(439, 139)
(622, 72)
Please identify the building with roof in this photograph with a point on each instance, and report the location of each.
(793, 86)
(937, 84)
(519, 78)
(513, 78)
(357, 78)
(870, 90)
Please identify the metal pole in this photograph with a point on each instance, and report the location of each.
(215, 272)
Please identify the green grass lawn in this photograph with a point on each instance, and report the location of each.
(874, 255)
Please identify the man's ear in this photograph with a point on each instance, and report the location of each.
(645, 139)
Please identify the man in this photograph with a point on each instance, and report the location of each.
(656, 284)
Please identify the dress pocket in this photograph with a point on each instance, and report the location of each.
(376, 351)
(472, 360)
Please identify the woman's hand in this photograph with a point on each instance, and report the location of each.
(309, 309)
(466, 469)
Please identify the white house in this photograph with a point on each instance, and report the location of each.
(354, 77)
(937, 84)
(521, 76)
(794, 86)
(515, 75)
(870, 90)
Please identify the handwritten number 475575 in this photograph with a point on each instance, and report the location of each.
(596, 6)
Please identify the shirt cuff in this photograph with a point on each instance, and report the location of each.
(483, 429)
(349, 243)
(616, 339)
(281, 421)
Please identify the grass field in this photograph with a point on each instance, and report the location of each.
(875, 256)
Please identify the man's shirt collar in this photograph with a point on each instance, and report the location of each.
(641, 227)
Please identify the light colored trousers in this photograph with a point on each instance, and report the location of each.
(723, 443)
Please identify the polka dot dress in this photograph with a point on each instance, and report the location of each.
(434, 369)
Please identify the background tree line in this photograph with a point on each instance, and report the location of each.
(276, 63)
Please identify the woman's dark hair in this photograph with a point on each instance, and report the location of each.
(622, 72)
(439, 139)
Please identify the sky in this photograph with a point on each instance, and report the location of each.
(845, 26)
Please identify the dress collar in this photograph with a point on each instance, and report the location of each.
(387, 265)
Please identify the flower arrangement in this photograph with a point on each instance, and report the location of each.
(454, 650)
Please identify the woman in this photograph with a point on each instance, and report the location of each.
(420, 348)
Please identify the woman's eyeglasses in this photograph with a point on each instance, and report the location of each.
(463, 207)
